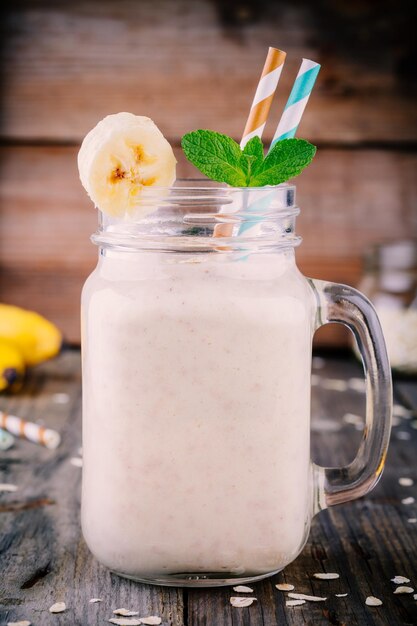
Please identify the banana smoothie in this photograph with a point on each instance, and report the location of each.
(196, 366)
(196, 413)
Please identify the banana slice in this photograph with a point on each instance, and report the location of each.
(120, 157)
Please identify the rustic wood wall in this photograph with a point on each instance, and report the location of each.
(191, 64)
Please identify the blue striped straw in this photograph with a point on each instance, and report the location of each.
(297, 101)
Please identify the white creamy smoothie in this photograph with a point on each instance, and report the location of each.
(196, 410)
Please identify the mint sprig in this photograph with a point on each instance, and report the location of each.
(220, 158)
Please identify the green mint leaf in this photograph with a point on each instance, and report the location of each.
(287, 159)
(215, 155)
(252, 157)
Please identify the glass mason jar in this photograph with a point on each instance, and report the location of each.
(196, 332)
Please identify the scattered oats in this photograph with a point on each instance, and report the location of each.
(24, 622)
(76, 461)
(372, 601)
(243, 589)
(294, 602)
(395, 421)
(415, 596)
(61, 398)
(323, 576)
(404, 590)
(8, 487)
(334, 384)
(401, 411)
(284, 587)
(351, 418)
(406, 482)
(58, 607)
(315, 380)
(359, 426)
(318, 362)
(94, 600)
(303, 596)
(400, 579)
(125, 612)
(412, 520)
(403, 435)
(357, 384)
(241, 602)
(151, 620)
(125, 621)
(340, 595)
(409, 500)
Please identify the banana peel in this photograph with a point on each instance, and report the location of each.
(26, 339)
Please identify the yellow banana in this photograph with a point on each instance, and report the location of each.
(35, 337)
(12, 366)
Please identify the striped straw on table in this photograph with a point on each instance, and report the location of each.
(264, 94)
(297, 101)
(29, 430)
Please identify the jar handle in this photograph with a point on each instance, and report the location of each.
(345, 305)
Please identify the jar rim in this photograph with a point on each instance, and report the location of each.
(197, 212)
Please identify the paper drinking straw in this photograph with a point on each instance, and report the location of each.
(300, 93)
(259, 111)
(264, 94)
(287, 126)
(33, 432)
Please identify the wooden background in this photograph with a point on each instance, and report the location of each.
(190, 64)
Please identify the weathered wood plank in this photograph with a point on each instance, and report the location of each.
(350, 199)
(196, 64)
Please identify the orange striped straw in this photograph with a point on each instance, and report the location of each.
(264, 94)
(29, 430)
(259, 111)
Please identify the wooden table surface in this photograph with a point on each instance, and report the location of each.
(43, 558)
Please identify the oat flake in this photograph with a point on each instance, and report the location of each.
(76, 461)
(403, 435)
(412, 520)
(125, 621)
(125, 612)
(404, 590)
(372, 601)
(241, 602)
(303, 596)
(352, 418)
(151, 620)
(415, 596)
(94, 600)
(409, 500)
(24, 622)
(58, 607)
(400, 579)
(324, 576)
(243, 589)
(406, 482)
(294, 602)
(285, 587)
(8, 487)
(401, 411)
(340, 595)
